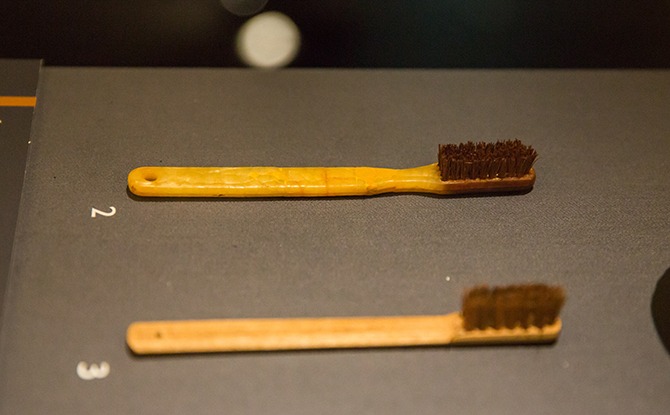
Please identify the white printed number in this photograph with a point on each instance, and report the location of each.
(86, 372)
(95, 212)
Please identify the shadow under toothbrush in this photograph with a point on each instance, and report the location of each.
(660, 309)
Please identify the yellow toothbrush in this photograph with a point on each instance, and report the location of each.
(520, 314)
(503, 166)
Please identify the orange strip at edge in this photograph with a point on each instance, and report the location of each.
(17, 101)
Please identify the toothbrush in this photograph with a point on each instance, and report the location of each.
(503, 166)
(518, 314)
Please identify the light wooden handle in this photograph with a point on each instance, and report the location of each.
(277, 181)
(201, 336)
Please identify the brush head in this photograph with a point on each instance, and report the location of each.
(468, 161)
(536, 305)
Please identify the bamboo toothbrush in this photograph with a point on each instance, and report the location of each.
(515, 314)
(503, 166)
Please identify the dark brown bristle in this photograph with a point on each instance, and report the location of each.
(513, 306)
(467, 161)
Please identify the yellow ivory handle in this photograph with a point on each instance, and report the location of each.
(306, 181)
(235, 335)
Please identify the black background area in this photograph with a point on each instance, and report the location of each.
(345, 33)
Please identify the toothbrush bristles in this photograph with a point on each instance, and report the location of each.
(469, 161)
(513, 306)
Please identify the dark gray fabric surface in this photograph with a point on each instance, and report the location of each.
(17, 78)
(596, 222)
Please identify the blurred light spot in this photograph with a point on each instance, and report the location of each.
(269, 40)
(244, 7)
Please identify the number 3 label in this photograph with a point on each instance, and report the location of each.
(95, 212)
(86, 372)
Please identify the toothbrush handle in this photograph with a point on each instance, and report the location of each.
(203, 336)
(280, 181)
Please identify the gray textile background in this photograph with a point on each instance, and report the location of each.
(597, 222)
(17, 78)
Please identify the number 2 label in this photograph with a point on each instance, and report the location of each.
(95, 212)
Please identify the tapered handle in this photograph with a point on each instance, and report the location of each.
(203, 336)
(281, 181)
